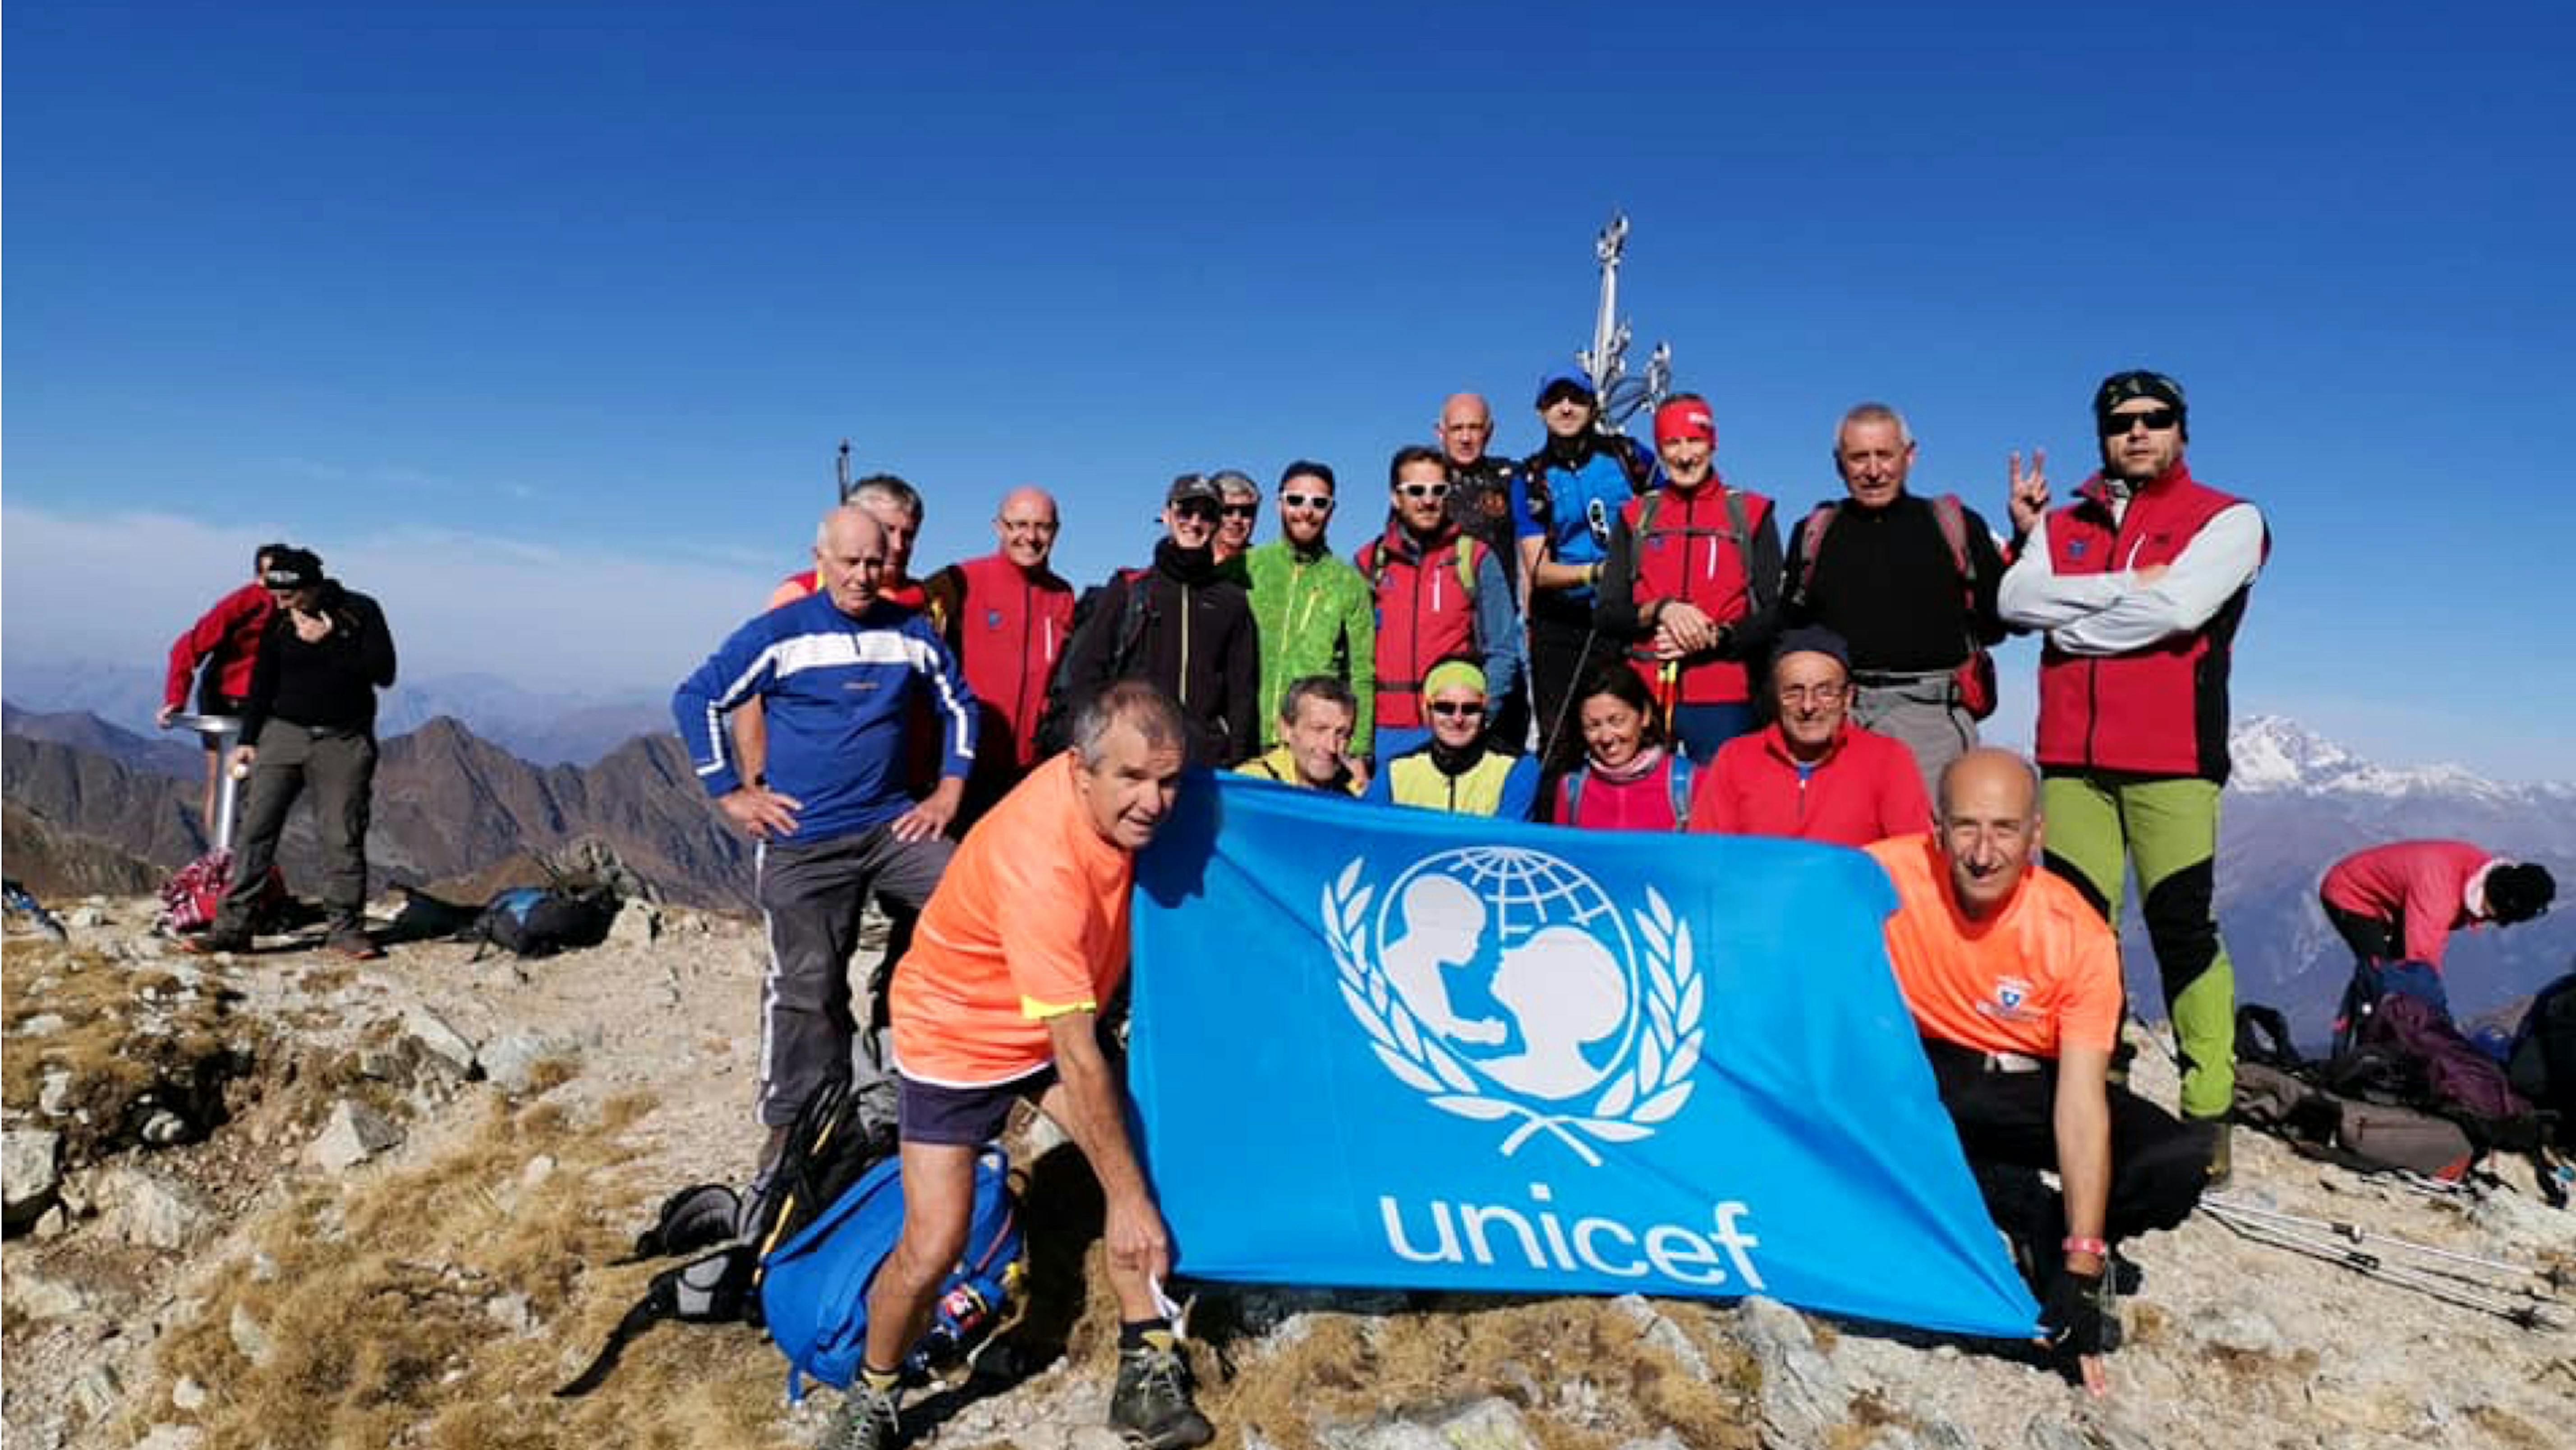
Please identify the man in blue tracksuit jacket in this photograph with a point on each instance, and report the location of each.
(835, 673)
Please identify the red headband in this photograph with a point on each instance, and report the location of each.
(1684, 418)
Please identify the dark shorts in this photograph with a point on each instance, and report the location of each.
(211, 701)
(962, 1117)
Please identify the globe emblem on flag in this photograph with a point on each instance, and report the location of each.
(1504, 983)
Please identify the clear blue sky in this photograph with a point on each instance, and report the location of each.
(543, 321)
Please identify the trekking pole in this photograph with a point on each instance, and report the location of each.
(2484, 1298)
(1582, 660)
(2356, 1234)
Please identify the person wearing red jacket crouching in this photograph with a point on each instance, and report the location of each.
(225, 640)
(1812, 774)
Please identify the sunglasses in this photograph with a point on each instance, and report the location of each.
(1241, 510)
(1320, 502)
(1195, 509)
(1423, 490)
(1455, 708)
(2117, 425)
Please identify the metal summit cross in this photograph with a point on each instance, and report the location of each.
(1605, 362)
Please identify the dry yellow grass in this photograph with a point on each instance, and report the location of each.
(109, 1061)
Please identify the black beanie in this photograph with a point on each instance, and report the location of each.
(2519, 891)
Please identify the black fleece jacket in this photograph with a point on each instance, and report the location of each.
(327, 685)
(1194, 637)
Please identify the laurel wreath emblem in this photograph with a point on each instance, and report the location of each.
(1648, 1089)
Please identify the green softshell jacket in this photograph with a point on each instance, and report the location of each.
(1316, 618)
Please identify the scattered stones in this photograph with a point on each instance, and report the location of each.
(638, 924)
(1486, 1424)
(86, 916)
(171, 1437)
(43, 1024)
(29, 1174)
(143, 1208)
(52, 1224)
(539, 1169)
(1803, 1396)
(164, 1128)
(439, 1040)
(188, 1395)
(2238, 1327)
(1657, 1329)
(510, 1060)
(511, 1312)
(381, 1064)
(38, 1297)
(249, 1336)
(54, 1094)
(97, 1393)
(354, 1134)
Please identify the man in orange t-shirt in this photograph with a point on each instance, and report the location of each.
(2014, 983)
(998, 1001)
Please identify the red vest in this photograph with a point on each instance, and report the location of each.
(1426, 612)
(1687, 548)
(2161, 710)
(1009, 628)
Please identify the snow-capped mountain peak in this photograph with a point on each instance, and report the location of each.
(2273, 753)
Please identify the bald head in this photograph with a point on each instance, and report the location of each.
(850, 557)
(1026, 526)
(1989, 827)
(1466, 426)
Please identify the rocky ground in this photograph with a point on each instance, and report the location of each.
(282, 1200)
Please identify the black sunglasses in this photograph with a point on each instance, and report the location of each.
(1241, 510)
(1456, 707)
(2117, 425)
(1197, 508)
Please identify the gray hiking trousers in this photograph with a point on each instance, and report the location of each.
(1923, 710)
(810, 899)
(340, 766)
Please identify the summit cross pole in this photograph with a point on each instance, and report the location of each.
(1605, 362)
(842, 468)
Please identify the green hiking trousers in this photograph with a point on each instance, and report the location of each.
(2099, 821)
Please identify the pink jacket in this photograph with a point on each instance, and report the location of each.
(2422, 885)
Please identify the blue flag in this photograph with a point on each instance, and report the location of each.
(1391, 1048)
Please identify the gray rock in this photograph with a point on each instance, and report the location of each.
(86, 916)
(172, 1437)
(510, 1060)
(43, 1024)
(2055, 1430)
(439, 1040)
(98, 1393)
(1658, 1330)
(54, 1095)
(638, 924)
(1803, 1395)
(143, 1208)
(29, 1174)
(38, 1297)
(249, 1336)
(2239, 1327)
(188, 1395)
(1663, 1440)
(164, 1128)
(354, 1134)
(511, 1312)
(380, 1064)
(1486, 1424)
(539, 1169)
(52, 1224)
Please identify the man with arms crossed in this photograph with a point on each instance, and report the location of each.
(1000, 1001)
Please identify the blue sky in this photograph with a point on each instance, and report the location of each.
(542, 321)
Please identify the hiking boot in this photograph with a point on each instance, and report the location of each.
(207, 943)
(2221, 1139)
(865, 1421)
(357, 946)
(1151, 1406)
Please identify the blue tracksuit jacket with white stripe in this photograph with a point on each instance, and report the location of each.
(836, 693)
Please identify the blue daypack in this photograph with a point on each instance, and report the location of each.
(814, 1286)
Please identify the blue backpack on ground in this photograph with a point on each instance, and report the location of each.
(814, 1286)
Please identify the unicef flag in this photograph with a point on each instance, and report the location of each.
(1390, 1048)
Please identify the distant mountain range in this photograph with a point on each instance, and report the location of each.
(451, 805)
(546, 728)
(448, 806)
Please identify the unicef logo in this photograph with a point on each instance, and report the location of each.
(1503, 984)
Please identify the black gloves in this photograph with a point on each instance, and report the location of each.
(2073, 1317)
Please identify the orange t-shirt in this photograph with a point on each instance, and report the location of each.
(2045, 969)
(1029, 922)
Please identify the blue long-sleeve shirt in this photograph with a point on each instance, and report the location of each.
(836, 693)
(1498, 627)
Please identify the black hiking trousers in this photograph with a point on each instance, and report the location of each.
(2006, 1124)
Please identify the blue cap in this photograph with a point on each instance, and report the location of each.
(1563, 378)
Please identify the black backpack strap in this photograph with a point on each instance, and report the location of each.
(697, 1217)
(715, 1287)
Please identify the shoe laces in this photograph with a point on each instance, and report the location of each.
(1162, 1379)
(867, 1421)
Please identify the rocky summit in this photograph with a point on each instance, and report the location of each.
(281, 1200)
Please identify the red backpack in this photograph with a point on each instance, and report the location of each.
(190, 896)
